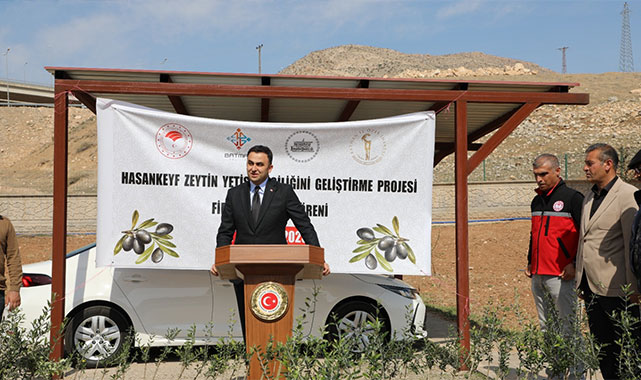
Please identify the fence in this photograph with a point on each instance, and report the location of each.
(519, 167)
(33, 214)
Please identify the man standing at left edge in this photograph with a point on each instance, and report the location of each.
(10, 266)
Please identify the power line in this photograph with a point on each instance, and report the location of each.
(564, 63)
(626, 62)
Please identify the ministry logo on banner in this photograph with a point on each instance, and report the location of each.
(173, 140)
(160, 205)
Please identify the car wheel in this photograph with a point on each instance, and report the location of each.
(357, 320)
(97, 335)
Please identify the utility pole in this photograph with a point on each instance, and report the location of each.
(6, 55)
(564, 68)
(626, 63)
(259, 48)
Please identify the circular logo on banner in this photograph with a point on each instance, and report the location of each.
(173, 140)
(302, 146)
(368, 146)
(558, 206)
(269, 301)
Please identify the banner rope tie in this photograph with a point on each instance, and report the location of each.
(447, 106)
(66, 93)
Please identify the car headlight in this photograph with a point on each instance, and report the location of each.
(401, 290)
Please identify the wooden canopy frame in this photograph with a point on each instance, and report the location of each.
(436, 95)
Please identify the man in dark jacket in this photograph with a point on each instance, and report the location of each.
(556, 217)
(635, 239)
(257, 213)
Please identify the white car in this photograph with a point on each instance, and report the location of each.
(103, 304)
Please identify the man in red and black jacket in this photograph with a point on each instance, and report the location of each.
(556, 217)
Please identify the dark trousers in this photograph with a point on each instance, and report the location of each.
(1, 303)
(600, 310)
(239, 289)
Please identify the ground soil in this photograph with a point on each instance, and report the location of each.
(497, 257)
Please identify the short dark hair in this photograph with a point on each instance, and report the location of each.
(548, 158)
(262, 149)
(606, 152)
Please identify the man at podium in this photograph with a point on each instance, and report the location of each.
(257, 211)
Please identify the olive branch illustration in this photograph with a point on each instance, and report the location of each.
(137, 237)
(391, 244)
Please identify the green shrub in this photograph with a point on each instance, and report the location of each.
(24, 353)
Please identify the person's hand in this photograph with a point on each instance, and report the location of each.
(12, 298)
(528, 271)
(326, 270)
(568, 272)
(213, 270)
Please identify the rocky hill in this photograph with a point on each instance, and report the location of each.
(366, 61)
(613, 116)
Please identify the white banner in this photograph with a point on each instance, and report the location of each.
(163, 178)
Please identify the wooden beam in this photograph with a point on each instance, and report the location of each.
(446, 145)
(350, 107)
(188, 89)
(487, 128)
(443, 150)
(59, 230)
(462, 243)
(439, 106)
(264, 102)
(176, 101)
(497, 138)
(87, 99)
(492, 125)
(439, 156)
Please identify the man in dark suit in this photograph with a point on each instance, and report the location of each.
(258, 210)
(635, 239)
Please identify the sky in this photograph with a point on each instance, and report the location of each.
(222, 35)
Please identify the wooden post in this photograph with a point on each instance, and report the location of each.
(59, 239)
(462, 248)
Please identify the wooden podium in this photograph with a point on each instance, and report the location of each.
(269, 273)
